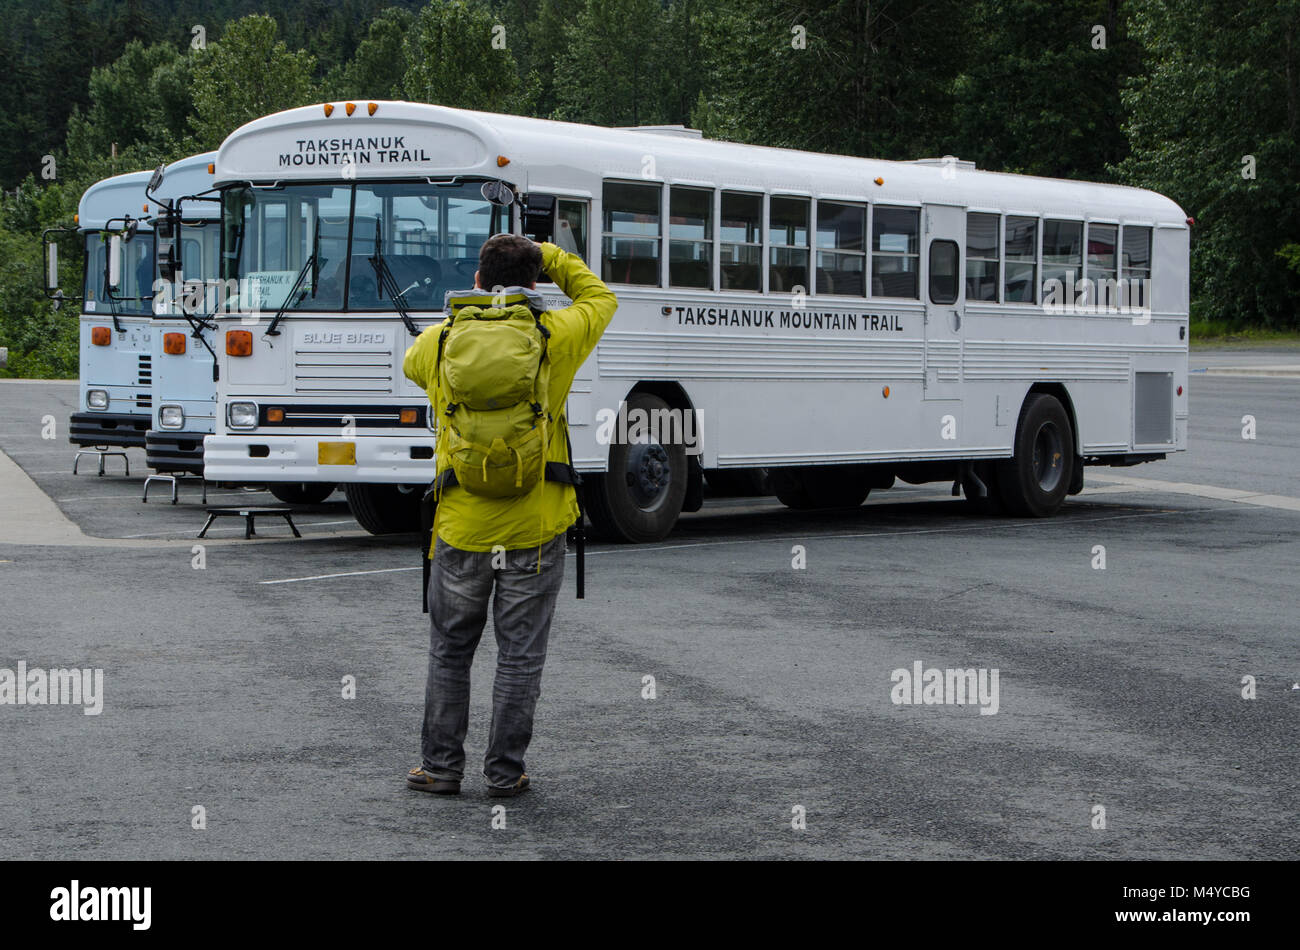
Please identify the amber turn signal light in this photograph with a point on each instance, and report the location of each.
(409, 416)
(275, 415)
(101, 336)
(239, 343)
(174, 343)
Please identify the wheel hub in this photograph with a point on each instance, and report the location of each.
(649, 472)
(1049, 457)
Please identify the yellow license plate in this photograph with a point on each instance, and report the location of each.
(336, 453)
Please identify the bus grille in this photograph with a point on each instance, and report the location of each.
(144, 369)
(342, 371)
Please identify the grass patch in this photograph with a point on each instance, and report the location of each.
(1223, 333)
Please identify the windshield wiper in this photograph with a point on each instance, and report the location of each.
(309, 266)
(384, 277)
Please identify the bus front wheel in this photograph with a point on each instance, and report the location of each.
(301, 493)
(384, 509)
(1033, 483)
(639, 498)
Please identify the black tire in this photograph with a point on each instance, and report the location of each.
(384, 509)
(639, 498)
(301, 493)
(738, 482)
(816, 487)
(1033, 483)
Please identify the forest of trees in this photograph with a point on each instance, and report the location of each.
(1197, 99)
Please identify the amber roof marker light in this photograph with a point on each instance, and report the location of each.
(350, 107)
(329, 109)
(372, 108)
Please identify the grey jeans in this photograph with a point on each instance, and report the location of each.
(460, 586)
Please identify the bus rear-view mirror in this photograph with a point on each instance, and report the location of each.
(115, 261)
(498, 192)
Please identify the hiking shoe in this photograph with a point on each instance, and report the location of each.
(422, 781)
(509, 791)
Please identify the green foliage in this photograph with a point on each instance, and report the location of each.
(1039, 93)
(612, 69)
(451, 60)
(1220, 84)
(377, 70)
(845, 76)
(249, 73)
(42, 341)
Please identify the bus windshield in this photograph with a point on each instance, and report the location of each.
(429, 237)
(134, 297)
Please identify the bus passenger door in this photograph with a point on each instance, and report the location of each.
(944, 293)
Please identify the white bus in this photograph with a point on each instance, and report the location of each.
(838, 321)
(115, 395)
(188, 238)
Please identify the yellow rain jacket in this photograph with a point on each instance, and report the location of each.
(478, 522)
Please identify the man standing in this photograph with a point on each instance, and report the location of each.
(496, 530)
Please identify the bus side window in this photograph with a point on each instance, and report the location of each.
(945, 257)
(1101, 265)
(561, 221)
(983, 254)
(895, 252)
(630, 233)
(741, 231)
(1021, 244)
(788, 226)
(690, 237)
(841, 248)
(1137, 267)
(1062, 258)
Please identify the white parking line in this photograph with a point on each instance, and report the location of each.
(325, 577)
(641, 549)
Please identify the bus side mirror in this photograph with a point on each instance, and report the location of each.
(51, 280)
(51, 267)
(169, 267)
(114, 264)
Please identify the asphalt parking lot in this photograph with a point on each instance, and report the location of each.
(1119, 688)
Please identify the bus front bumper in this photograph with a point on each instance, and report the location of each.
(108, 428)
(373, 459)
(168, 451)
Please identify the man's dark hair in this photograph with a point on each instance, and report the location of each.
(508, 260)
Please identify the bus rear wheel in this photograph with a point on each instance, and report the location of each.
(813, 487)
(301, 493)
(384, 509)
(1033, 483)
(639, 498)
(738, 482)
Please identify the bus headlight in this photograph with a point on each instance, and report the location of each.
(242, 415)
(171, 417)
(96, 399)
